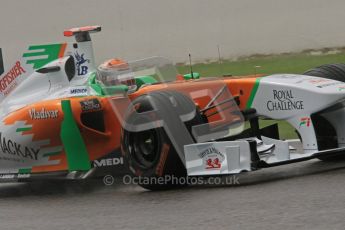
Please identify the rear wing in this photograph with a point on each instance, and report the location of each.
(82, 34)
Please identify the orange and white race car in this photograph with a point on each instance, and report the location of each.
(63, 117)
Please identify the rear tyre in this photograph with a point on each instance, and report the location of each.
(149, 154)
(324, 131)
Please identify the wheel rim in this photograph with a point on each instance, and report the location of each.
(144, 147)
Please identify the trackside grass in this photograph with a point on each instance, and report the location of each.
(260, 64)
(284, 63)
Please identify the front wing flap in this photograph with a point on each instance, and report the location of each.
(233, 157)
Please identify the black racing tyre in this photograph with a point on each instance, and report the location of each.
(329, 71)
(324, 131)
(149, 154)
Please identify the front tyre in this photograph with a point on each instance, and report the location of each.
(150, 155)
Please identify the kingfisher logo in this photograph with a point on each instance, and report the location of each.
(7, 82)
(81, 62)
(304, 121)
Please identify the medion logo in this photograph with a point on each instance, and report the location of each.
(78, 91)
(43, 114)
(108, 162)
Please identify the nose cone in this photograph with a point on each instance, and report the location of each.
(285, 95)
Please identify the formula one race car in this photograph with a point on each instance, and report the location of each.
(63, 117)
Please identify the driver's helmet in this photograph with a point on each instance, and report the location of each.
(117, 72)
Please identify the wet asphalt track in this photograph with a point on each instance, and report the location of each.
(308, 195)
